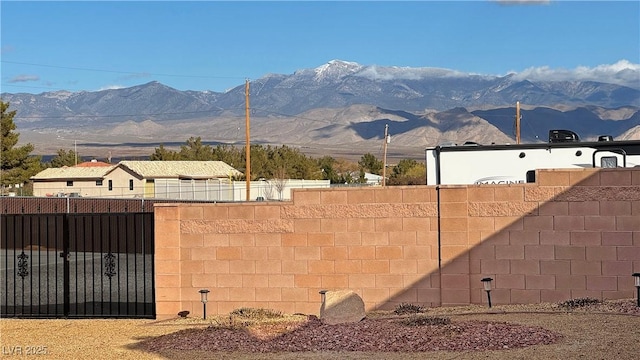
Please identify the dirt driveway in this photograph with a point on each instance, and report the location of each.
(585, 335)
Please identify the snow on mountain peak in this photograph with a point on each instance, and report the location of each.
(59, 95)
(336, 69)
(406, 73)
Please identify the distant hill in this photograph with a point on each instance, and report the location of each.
(337, 106)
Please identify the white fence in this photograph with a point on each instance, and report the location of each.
(222, 190)
(214, 190)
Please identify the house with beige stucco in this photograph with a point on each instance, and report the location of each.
(200, 180)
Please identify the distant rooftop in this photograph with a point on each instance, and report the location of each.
(93, 163)
(145, 169)
(74, 172)
(181, 169)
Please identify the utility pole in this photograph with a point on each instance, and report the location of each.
(517, 122)
(384, 161)
(75, 150)
(248, 149)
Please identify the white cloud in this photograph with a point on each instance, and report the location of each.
(406, 73)
(24, 78)
(111, 87)
(622, 73)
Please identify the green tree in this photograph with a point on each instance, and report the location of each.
(17, 164)
(162, 154)
(327, 168)
(267, 162)
(230, 155)
(296, 164)
(338, 171)
(362, 177)
(408, 172)
(404, 166)
(261, 168)
(194, 150)
(371, 164)
(270, 162)
(65, 158)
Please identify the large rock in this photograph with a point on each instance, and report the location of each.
(342, 306)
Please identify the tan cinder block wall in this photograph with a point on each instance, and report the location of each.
(575, 233)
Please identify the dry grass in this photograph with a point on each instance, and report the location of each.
(595, 331)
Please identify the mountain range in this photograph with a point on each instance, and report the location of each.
(338, 108)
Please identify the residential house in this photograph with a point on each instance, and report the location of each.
(185, 180)
(85, 179)
(370, 179)
(149, 179)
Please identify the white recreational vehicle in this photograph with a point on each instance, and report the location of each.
(472, 163)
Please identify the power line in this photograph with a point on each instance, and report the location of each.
(122, 72)
(120, 115)
(329, 122)
(324, 121)
(28, 86)
(149, 114)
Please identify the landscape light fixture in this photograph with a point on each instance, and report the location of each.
(203, 298)
(637, 278)
(323, 295)
(486, 282)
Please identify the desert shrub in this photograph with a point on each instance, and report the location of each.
(423, 320)
(404, 309)
(256, 314)
(580, 302)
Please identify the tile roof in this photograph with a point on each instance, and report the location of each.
(181, 169)
(146, 169)
(93, 163)
(73, 173)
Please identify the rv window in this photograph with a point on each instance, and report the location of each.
(609, 162)
(531, 176)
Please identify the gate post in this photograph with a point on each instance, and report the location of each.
(66, 266)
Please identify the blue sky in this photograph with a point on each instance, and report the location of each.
(215, 45)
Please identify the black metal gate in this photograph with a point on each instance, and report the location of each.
(77, 265)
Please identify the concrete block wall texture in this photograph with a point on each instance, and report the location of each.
(574, 233)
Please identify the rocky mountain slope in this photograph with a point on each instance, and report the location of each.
(339, 106)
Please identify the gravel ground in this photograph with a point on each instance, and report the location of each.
(610, 330)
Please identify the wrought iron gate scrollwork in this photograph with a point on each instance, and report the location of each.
(110, 265)
(23, 265)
